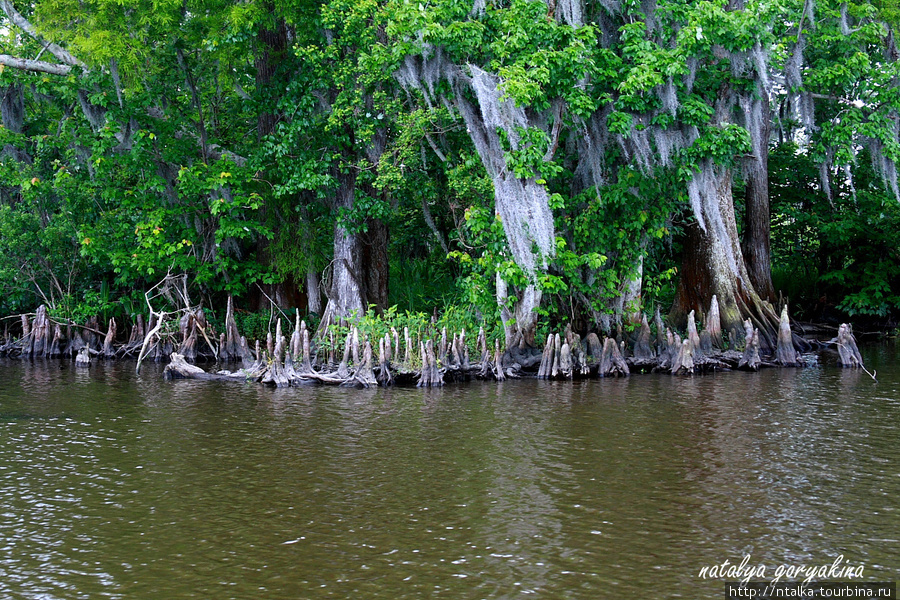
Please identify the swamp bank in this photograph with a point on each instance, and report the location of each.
(376, 353)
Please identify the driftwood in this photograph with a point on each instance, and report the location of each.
(180, 368)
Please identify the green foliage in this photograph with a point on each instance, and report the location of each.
(454, 318)
(181, 175)
(839, 255)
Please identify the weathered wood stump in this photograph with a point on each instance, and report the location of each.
(847, 350)
(750, 361)
(83, 358)
(594, 348)
(40, 333)
(76, 342)
(58, 345)
(499, 374)
(684, 360)
(785, 353)
(713, 323)
(90, 335)
(109, 350)
(547, 357)
(384, 371)
(693, 336)
(364, 376)
(431, 376)
(232, 347)
(136, 338)
(566, 367)
(276, 375)
(642, 350)
(612, 364)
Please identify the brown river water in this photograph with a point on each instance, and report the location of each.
(117, 485)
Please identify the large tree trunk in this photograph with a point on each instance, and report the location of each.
(522, 204)
(376, 261)
(714, 265)
(347, 291)
(756, 244)
(270, 53)
(359, 270)
(12, 110)
(313, 293)
(519, 322)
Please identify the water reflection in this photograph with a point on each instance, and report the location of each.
(121, 485)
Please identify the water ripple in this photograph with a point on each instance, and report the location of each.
(121, 486)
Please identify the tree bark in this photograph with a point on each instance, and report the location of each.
(714, 264)
(313, 295)
(376, 263)
(347, 291)
(12, 107)
(757, 239)
(270, 52)
(519, 322)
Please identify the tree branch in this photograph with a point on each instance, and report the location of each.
(25, 25)
(40, 66)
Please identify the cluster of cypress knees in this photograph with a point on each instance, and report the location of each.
(405, 360)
